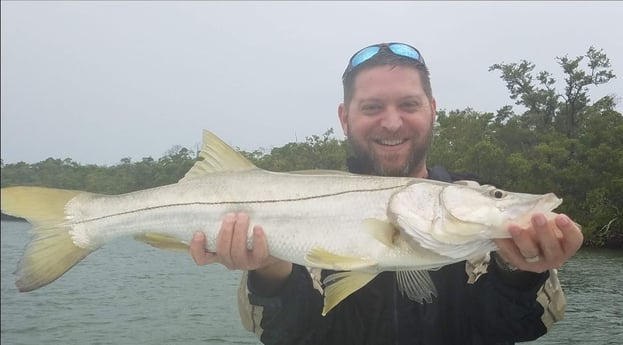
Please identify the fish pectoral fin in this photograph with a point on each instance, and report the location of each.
(383, 231)
(416, 285)
(321, 258)
(341, 285)
(163, 241)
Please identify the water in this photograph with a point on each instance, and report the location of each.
(125, 293)
(130, 293)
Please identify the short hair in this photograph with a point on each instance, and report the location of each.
(385, 58)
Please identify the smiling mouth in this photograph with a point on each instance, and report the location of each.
(390, 142)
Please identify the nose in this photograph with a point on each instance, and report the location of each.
(392, 120)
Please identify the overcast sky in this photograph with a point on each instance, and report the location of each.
(100, 81)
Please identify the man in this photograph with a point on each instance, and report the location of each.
(388, 115)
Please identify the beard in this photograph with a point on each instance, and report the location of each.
(371, 163)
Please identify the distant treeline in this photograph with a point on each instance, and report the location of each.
(563, 143)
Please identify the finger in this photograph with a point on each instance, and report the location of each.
(260, 253)
(508, 249)
(239, 249)
(198, 252)
(525, 241)
(551, 250)
(224, 240)
(572, 235)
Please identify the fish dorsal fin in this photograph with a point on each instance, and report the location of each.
(163, 241)
(416, 285)
(217, 156)
(341, 285)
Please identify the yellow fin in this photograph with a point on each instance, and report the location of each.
(383, 231)
(217, 156)
(322, 258)
(51, 251)
(36, 204)
(342, 285)
(163, 241)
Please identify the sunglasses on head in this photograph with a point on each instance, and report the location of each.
(399, 49)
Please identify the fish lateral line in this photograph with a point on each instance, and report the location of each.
(230, 202)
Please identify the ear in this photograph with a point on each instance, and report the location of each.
(342, 113)
(433, 108)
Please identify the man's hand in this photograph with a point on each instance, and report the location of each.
(232, 252)
(231, 245)
(545, 245)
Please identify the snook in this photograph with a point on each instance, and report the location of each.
(326, 219)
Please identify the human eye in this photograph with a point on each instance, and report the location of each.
(371, 108)
(410, 106)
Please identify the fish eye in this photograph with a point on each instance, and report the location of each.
(498, 194)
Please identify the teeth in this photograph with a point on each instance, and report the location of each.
(391, 142)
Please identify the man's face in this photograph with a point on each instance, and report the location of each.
(389, 121)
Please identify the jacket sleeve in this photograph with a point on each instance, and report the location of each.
(266, 315)
(515, 305)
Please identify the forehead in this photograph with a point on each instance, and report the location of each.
(388, 79)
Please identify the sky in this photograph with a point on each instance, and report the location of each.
(100, 81)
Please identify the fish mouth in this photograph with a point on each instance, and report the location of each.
(548, 202)
(545, 204)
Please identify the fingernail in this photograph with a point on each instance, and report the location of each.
(563, 220)
(514, 231)
(539, 220)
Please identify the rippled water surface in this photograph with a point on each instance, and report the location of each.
(130, 293)
(125, 293)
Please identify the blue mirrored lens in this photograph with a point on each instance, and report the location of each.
(404, 50)
(364, 55)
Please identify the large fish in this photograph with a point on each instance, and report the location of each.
(361, 225)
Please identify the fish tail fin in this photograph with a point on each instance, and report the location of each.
(51, 252)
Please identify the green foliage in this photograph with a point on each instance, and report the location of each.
(543, 102)
(121, 178)
(317, 152)
(562, 143)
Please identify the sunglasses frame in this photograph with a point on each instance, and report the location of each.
(396, 48)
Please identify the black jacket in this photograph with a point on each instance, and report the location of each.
(499, 308)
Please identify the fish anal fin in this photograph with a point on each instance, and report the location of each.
(321, 258)
(163, 241)
(383, 231)
(217, 156)
(416, 285)
(341, 285)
